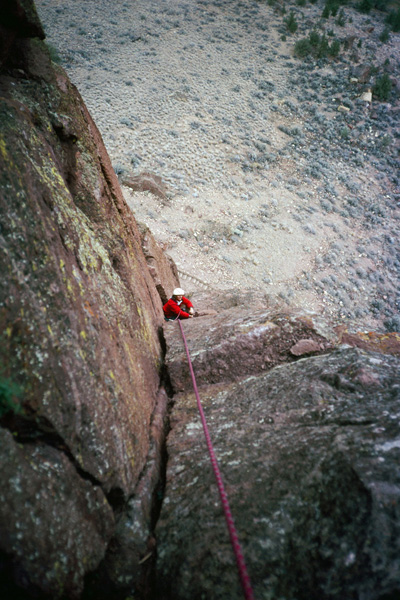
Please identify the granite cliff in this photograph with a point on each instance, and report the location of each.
(81, 344)
(304, 416)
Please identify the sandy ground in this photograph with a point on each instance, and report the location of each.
(279, 178)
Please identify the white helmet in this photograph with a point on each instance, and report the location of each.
(178, 292)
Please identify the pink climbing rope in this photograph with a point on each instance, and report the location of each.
(244, 577)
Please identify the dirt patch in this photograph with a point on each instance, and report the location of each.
(279, 177)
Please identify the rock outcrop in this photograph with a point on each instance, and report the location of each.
(237, 343)
(82, 412)
(309, 454)
(161, 267)
(147, 182)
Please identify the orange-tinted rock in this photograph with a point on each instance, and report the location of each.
(386, 343)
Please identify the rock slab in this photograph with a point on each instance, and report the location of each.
(241, 341)
(309, 454)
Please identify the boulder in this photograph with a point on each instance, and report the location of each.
(363, 72)
(309, 457)
(147, 182)
(366, 96)
(305, 346)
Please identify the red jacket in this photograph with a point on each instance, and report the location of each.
(172, 309)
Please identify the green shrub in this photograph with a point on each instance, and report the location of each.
(393, 19)
(334, 48)
(341, 20)
(291, 22)
(383, 87)
(54, 55)
(314, 38)
(332, 7)
(323, 47)
(366, 5)
(334, 10)
(303, 48)
(326, 12)
(301, 2)
(385, 36)
(316, 46)
(385, 141)
(9, 394)
(345, 133)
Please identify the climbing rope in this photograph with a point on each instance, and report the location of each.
(244, 577)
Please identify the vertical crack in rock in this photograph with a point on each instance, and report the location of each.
(40, 431)
(129, 563)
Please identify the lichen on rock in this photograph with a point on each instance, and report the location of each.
(80, 320)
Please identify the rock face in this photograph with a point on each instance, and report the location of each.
(162, 268)
(309, 454)
(80, 319)
(65, 511)
(239, 342)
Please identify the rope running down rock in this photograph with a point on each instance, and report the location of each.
(244, 577)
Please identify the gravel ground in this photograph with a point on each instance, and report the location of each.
(280, 177)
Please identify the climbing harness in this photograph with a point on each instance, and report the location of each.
(244, 577)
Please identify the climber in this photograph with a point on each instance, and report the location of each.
(178, 307)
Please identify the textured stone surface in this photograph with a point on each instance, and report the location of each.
(54, 524)
(305, 347)
(162, 268)
(80, 320)
(17, 18)
(77, 298)
(309, 454)
(129, 562)
(238, 342)
(147, 182)
(309, 449)
(387, 343)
